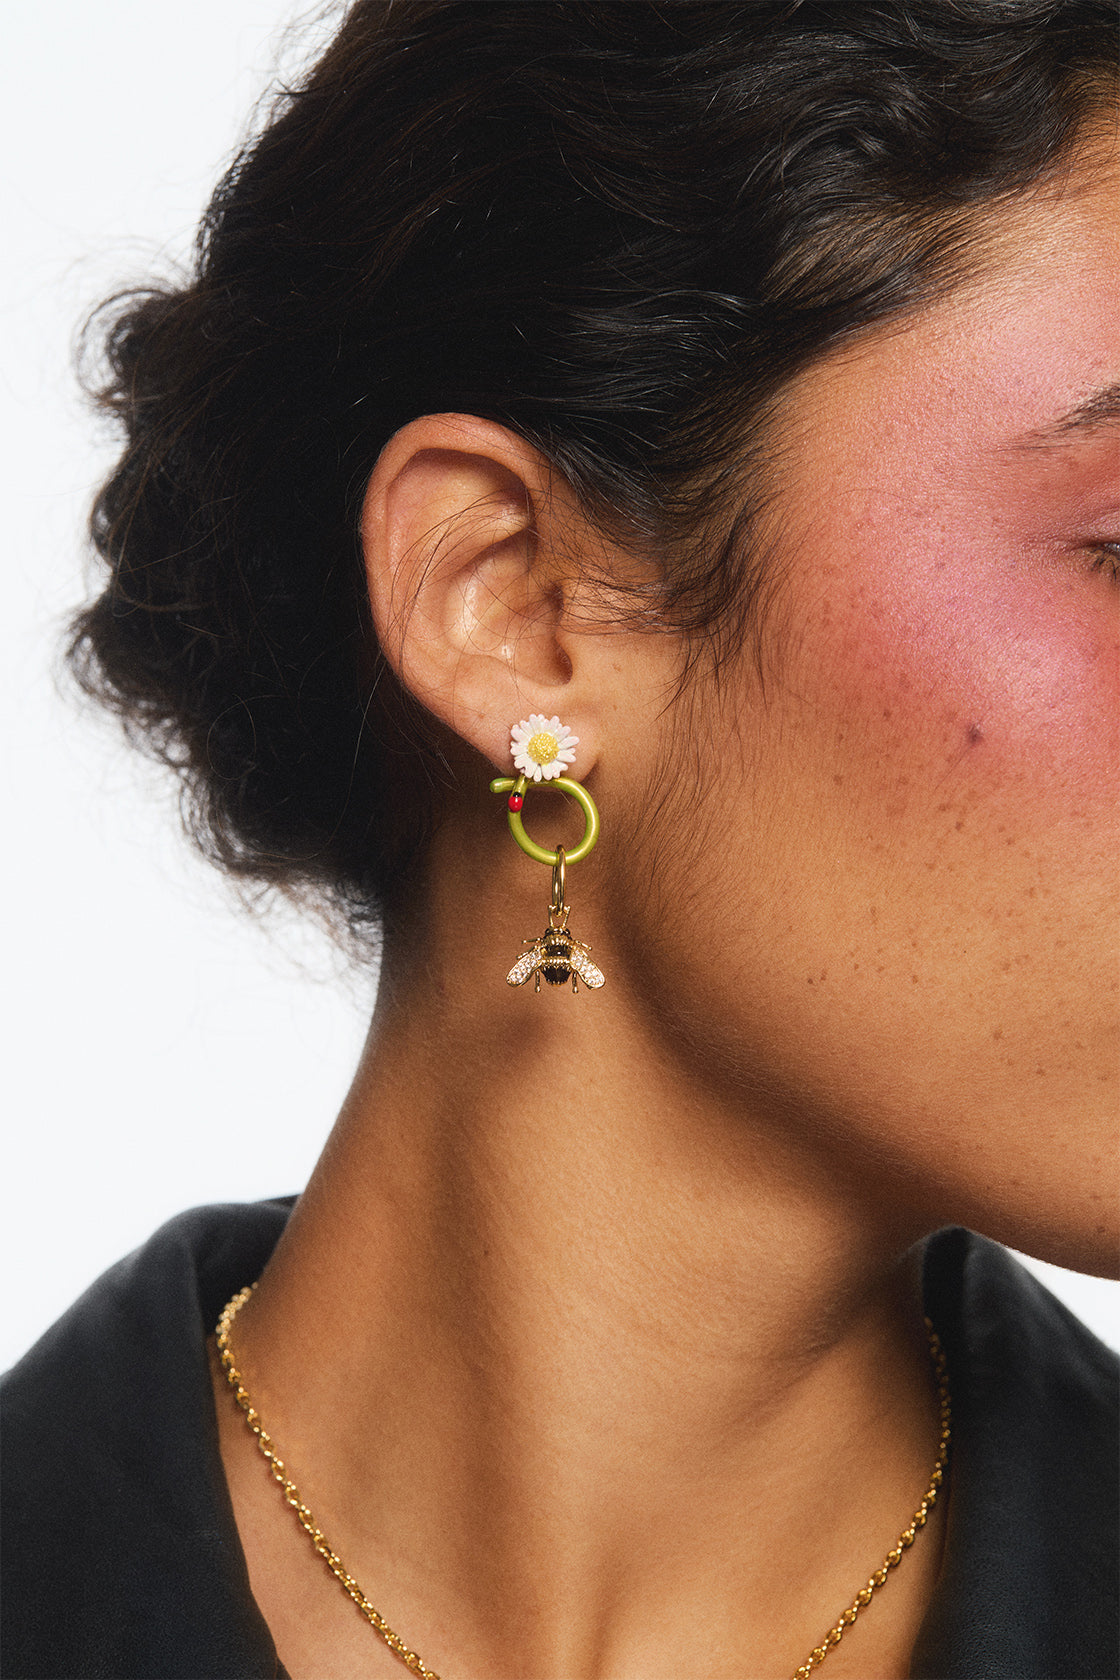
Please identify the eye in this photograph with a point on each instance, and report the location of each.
(1106, 559)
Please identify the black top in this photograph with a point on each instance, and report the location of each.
(123, 1561)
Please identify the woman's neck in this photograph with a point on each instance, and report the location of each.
(572, 1361)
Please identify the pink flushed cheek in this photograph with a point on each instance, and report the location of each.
(1004, 673)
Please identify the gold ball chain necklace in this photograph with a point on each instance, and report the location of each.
(412, 1660)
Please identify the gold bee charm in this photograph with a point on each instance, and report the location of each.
(557, 954)
(558, 957)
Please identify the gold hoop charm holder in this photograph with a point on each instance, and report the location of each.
(515, 790)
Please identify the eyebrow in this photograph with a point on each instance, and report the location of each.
(1097, 410)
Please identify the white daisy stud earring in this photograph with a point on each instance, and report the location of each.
(542, 749)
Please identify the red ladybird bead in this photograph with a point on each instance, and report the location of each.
(516, 800)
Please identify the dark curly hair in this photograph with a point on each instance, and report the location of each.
(617, 227)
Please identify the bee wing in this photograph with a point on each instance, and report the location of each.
(585, 968)
(524, 966)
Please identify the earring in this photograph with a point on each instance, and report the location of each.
(542, 749)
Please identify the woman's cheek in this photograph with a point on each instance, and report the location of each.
(978, 669)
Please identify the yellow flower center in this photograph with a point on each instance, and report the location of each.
(542, 747)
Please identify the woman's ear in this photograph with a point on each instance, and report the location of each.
(471, 584)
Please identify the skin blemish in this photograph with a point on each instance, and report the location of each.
(975, 734)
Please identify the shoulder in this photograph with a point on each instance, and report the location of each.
(1029, 1581)
(121, 1555)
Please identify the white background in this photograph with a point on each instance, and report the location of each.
(163, 1047)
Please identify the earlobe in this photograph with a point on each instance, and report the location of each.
(465, 585)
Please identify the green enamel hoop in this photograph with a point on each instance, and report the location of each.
(518, 786)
